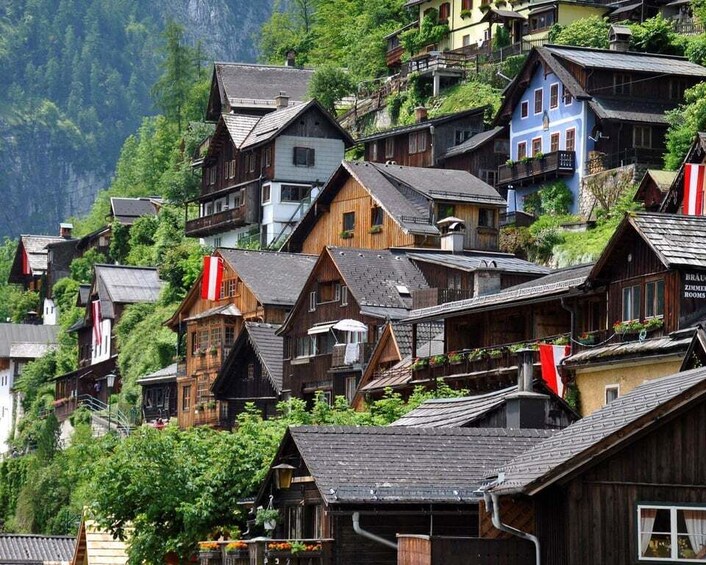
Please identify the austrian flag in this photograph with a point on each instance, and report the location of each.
(96, 315)
(212, 277)
(550, 357)
(693, 189)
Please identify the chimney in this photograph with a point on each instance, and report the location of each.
(282, 101)
(619, 37)
(486, 279)
(526, 409)
(453, 234)
(291, 60)
(421, 114)
(65, 230)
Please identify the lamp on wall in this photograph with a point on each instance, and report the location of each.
(545, 121)
(283, 475)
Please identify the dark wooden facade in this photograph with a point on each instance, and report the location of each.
(159, 401)
(483, 161)
(591, 519)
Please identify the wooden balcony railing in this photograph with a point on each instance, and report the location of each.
(435, 60)
(224, 220)
(261, 550)
(551, 165)
(426, 297)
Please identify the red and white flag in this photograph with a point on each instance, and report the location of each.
(212, 277)
(96, 315)
(693, 204)
(550, 357)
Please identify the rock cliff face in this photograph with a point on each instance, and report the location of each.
(67, 108)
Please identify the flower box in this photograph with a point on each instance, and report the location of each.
(210, 557)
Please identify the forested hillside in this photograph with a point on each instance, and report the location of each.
(77, 79)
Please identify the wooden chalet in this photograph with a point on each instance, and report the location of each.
(480, 155)
(339, 316)
(376, 206)
(259, 171)
(623, 485)
(387, 481)
(257, 286)
(652, 273)
(159, 395)
(114, 287)
(423, 143)
(252, 373)
(126, 211)
(653, 188)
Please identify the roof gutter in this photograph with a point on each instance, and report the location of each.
(371, 536)
(492, 502)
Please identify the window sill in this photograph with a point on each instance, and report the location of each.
(300, 361)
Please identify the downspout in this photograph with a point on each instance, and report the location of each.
(493, 505)
(371, 536)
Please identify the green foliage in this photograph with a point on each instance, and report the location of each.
(330, 84)
(695, 49)
(553, 198)
(430, 32)
(501, 38)
(684, 123)
(9, 294)
(24, 302)
(656, 35)
(585, 32)
(82, 267)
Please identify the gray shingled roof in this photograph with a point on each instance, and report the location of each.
(372, 277)
(225, 310)
(630, 110)
(678, 240)
(273, 277)
(24, 548)
(629, 61)
(269, 348)
(473, 143)
(473, 261)
(406, 465)
(454, 412)
(425, 334)
(613, 424)
(118, 284)
(165, 375)
(36, 248)
(556, 283)
(26, 334)
(127, 210)
(245, 83)
(271, 124)
(239, 126)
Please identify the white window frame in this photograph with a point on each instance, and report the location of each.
(610, 388)
(312, 301)
(524, 103)
(390, 148)
(634, 303)
(344, 295)
(653, 307)
(521, 144)
(266, 190)
(674, 534)
(566, 139)
(534, 101)
(374, 151)
(566, 95)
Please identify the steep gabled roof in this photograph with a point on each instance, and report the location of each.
(549, 287)
(239, 126)
(127, 210)
(274, 278)
(593, 437)
(380, 465)
(35, 249)
(39, 337)
(120, 284)
(26, 548)
(473, 142)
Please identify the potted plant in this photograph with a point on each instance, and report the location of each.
(539, 156)
(375, 229)
(267, 518)
(527, 160)
(211, 405)
(456, 358)
(420, 363)
(466, 14)
(209, 553)
(495, 353)
(587, 338)
(437, 360)
(346, 234)
(653, 324)
(236, 550)
(510, 163)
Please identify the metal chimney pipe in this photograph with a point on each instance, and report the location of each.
(525, 370)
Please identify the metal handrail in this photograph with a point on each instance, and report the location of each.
(96, 406)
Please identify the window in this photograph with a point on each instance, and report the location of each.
(541, 21)
(462, 135)
(417, 142)
(186, 398)
(228, 288)
(304, 157)
(344, 296)
(444, 211)
(376, 216)
(524, 109)
(486, 218)
(268, 157)
(374, 151)
(312, 301)
(389, 148)
(444, 12)
(466, 40)
(328, 292)
(229, 336)
(212, 175)
(501, 147)
(351, 386)
(489, 175)
(536, 145)
(554, 140)
(538, 95)
(622, 83)
(303, 346)
(294, 193)
(219, 206)
(642, 136)
(554, 96)
(676, 89)
(571, 139)
(348, 221)
(522, 150)
(654, 299)
(611, 393)
(250, 375)
(466, 4)
(251, 162)
(671, 533)
(631, 303)
(266, 193)
(566, 95)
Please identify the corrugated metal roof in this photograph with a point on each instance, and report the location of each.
(23, 334)
(606, 427)
(25, 548)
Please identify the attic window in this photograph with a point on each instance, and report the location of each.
(304, 157)
(566, 95)
(403, 290)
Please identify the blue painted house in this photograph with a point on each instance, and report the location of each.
(573, 112)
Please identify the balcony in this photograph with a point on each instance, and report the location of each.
(261, 550)
(550, 166)
(353, 355)
(435, 296)
(215, 223)
(449, 62)
(643, 157)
